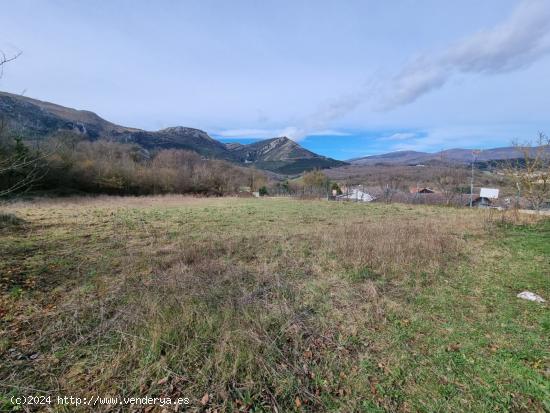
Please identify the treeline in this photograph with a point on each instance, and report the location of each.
(312, 184)
(66, 164)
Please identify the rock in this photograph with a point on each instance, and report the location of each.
(528, 295)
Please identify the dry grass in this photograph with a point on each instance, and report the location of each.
(108, 201)
(268, 305)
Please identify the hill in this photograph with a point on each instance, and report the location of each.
(463, 156)
(281, 155)
(37, 120)
(398, 157)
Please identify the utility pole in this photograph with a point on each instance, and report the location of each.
(474, 153)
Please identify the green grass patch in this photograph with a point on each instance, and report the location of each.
(267, 304)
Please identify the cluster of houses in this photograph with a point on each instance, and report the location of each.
(486, 199)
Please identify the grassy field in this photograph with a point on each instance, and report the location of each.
(275, 305)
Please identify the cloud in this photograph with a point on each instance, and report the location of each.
(332, 110)
(245, 133)
(400, 136)
(512, 45)
(290, 132)
(474, 136)
(329, 132)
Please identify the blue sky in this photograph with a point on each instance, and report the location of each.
(344, 78)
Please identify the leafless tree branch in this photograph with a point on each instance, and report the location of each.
(6, 59)
(531, 171)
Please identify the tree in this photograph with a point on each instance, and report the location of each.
(450, 180)
(315, 183)
(336, 187)
(6, 59)
(389, 187)
(531, 171)
(256, 179)
(19, 166)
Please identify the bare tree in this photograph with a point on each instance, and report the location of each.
(6, 59)
(531, 171)
(19, 167)
(389, 187)
(449, 180)
(256, 179)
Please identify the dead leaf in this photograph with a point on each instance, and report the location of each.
(298, 402)
(373, 389)
(205, 399)
(162, 381)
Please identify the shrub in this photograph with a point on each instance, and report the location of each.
(123, 169)
(8, 220)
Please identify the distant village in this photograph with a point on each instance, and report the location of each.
(483, 198)
(479, 198)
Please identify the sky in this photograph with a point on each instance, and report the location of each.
(343, 78)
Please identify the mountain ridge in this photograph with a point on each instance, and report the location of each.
(457, 155)
(36, 119)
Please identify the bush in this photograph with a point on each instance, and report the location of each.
(122, 169)
(8, 220)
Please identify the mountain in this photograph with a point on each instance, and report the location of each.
(178, 137)
(36, 120)
(462, 156)
(281, 155)
(398, 157)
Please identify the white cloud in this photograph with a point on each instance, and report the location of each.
(400, 136)
(329, 132)
(452, 136)
(328, 112)
(291, 132)
(512, 45)
(245, 133)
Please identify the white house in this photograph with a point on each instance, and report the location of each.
(490, 193)
(356, 194)
(485, 198)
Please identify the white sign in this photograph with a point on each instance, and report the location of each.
(490, 193)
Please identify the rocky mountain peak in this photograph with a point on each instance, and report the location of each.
(183, 130)
(39, 120)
